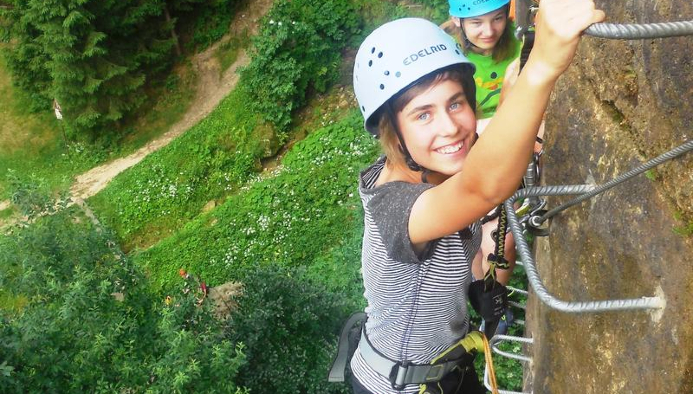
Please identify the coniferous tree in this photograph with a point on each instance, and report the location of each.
(26, 59)
(93, 56)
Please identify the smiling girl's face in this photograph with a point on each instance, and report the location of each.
(439, 127)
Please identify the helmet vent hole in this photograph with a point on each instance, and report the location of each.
(380, 54)
(373, 50)
(363, 108)
(382, 86)
(457, 51)
(386, 72)
(398, 74)
(370, 63)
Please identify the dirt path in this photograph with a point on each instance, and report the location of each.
(212, 87)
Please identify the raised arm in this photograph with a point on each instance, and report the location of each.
(493, 168)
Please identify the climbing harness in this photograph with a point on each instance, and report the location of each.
(488, 296)
(459, 356)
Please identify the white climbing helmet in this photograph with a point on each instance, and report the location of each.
(395, 55)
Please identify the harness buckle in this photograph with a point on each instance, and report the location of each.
(435, 374)
(399, 372)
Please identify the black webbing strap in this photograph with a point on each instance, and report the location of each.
(497, 258)
(489, 297)
(527, 45)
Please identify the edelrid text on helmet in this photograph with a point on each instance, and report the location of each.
(395, 55)
(472, 8)
(424, 52)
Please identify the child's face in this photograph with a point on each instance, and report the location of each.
(438, 127)
(484, 31)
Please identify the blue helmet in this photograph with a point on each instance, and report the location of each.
(472, 8)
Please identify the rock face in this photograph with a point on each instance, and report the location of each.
(620, 104)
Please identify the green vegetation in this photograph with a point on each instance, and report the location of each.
(289, 218)
(98, 59)
(170, 187)
(289, 325)
(33, 143)
(210, 21)
(685, 230)
(84, 318)
(169, 100)
(297, 50)
(227, 52)
(651, 175)
(167, 189)
(292, 235)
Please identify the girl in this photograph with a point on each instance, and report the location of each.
(424, 198)
(486, 34)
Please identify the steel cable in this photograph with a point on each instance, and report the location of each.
(678, 151)
(640, 31)
(533, 274)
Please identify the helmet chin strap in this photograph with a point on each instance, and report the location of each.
(413, 165)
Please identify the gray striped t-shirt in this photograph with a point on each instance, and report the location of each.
(417, 305)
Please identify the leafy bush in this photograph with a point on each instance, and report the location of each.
(212, 21)
(438, 11)
(90, 323)
(339, 268)
(290, 326)
(301, 212)
(298, 48)
(171, 185)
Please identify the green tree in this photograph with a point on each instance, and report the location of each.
(290, 326)
(92, 56)
(298, 49)
(91, 324)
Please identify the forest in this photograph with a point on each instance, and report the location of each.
(226, 259)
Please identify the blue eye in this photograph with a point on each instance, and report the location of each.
(455, 106)
(423, 116)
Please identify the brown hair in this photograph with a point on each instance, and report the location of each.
(389, 141)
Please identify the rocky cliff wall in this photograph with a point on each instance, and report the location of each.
(620, 104)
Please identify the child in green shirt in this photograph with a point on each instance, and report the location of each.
(485, 31)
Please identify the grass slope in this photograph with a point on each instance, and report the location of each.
(292, 218)
(170, 186)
